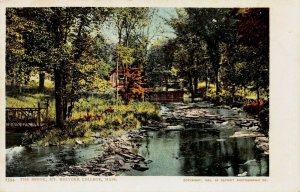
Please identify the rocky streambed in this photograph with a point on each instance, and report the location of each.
(195, 139)
(119, 154)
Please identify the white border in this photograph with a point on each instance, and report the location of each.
(284, 104)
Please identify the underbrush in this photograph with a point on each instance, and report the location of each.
(89, 115)
(73, 132)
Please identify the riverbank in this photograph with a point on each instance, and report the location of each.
(92, 117)
(221, 140)
(125, 154)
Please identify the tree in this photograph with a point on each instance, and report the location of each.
(72, 26)
(190, 52)
(213, 26)
(253, 28)
(17, 27)
(127, 22)
(62, 44)
(133, 88)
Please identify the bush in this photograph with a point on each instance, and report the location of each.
(95, 114)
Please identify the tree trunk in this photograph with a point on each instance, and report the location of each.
(257, 94)
(191, 85)
(167, 82)
(232, 93)
(41, 81)
(217, 81)
(19, 81)
(58, 98)
(13, 79)
(196, 83)
(65, 108)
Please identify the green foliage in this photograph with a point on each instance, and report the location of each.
(97, 106)
(160, 60)
(17, 27)
(56, 136)
(57, 40)
(122, 117)
(124, 55)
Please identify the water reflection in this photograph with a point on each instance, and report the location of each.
(44, 161)
(194, 153)
(207, 156)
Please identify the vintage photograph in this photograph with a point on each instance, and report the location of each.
(137, 91)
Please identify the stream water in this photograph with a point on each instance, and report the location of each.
(198, 150)
(194, 153)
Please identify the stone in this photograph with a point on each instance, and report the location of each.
(148, 161)
(243, 174)
(110, 161)
(127, 156)
(125, 167)
(262, 139)
(226, 107)
(263, 146)
(247, 134)
(175, 128)
(97, 135)
(192, 116)
(224, 123)
(78, 142)
(210, 115)
(121, 162)
(250, 162)
(140, 167)
(150, 128)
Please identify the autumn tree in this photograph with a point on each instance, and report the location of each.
(253, 28)
(128, 22)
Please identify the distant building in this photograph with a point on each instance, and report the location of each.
(117, 81)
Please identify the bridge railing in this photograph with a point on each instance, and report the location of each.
(26, 117)
(165, 96)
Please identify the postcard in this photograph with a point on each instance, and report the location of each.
(150, 96)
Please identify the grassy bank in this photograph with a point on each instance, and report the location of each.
(90, 115)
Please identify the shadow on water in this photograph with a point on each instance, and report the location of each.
(45, 161)
(194, 153)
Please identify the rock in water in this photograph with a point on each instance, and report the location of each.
(140, 167)
(262, 139)
(225, 123)
(247, 134)
(250, 162)
(175, 128)
(125, 167)
(78, 142)
(243, 174)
